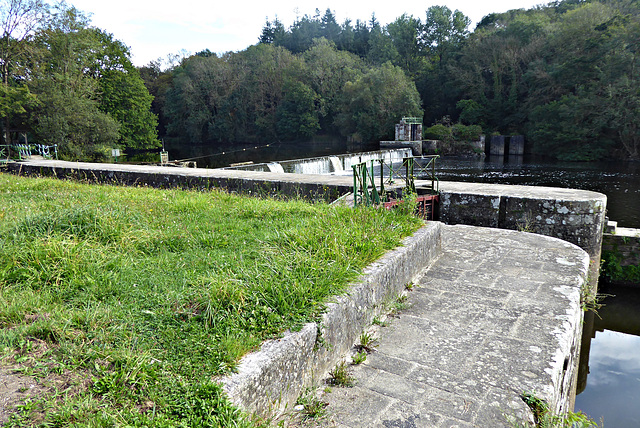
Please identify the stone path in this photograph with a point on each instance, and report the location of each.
(497, 315)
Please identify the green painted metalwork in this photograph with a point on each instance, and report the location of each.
(24, 151)
(412, 120)
(364, 186)
(427, 169)
(366, 192)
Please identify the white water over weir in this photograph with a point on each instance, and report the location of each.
(335, 164)
(275, 167)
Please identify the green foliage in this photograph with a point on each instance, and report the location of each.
(612, 269)
(453, 133)
(124, 96)
(82, 92)
(359, 358)
(374, 103)
(297, 114)
(150, 293)
(438, 132)
(313, 407)
(340, 376)
(544, 418)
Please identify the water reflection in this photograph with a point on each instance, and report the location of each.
(620, 181)
(611, 346)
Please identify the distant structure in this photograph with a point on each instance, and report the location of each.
(408, 135)
(409, 129)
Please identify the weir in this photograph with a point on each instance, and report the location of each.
(327, 164)
(272, 378)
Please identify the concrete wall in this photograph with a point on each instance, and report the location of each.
(496, 145)
(249, 182)
(576, 216)
(626, 243)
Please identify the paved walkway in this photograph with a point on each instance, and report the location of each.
(497, 315)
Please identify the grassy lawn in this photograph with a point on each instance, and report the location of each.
(126, 303)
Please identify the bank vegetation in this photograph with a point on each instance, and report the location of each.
(565, 75)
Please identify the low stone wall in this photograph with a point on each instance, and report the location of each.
(246, 182)
(625, 242)
(271, 379)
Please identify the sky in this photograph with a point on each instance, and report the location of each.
(154, 29)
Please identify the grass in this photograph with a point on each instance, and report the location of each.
(340, 376)
(544, 418)
(366, 343)
(312, 406)
(129, 302)
(359, 358)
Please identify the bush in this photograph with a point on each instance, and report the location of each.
(438, 132)
(457, 132)
(466, 133)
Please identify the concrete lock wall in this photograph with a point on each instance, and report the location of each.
(516, 145)
(626, 245)
(576, 216)
(496, 145)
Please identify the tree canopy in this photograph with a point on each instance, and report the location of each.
(70, 84)
(566, 75)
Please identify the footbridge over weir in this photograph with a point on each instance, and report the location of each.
(496, 312)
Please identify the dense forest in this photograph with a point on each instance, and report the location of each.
(566, 75)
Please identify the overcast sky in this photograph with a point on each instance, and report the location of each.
(156, 28)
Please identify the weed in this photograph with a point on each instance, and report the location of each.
(359, 358)
(544, 418)
(340, 376)
(312, 406)
(367, 342)
(378, 321)
(399, 305)
(409, 286)
(526, 224)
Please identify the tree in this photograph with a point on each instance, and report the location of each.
(375, 102)
(405, 33)
(381, 48)
(91, 98)
(123, 93)
(20, 19)
(327, 71)
(297, 113)
(444, 31)
(68, 112)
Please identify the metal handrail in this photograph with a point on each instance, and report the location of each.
(23, 151)
(365, 190)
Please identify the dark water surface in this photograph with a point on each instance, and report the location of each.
(620, 181)
(611, 346)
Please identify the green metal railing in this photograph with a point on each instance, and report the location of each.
(24, 151)
(427, 170)
(364, 186)
(366, 192)
(412, 120)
